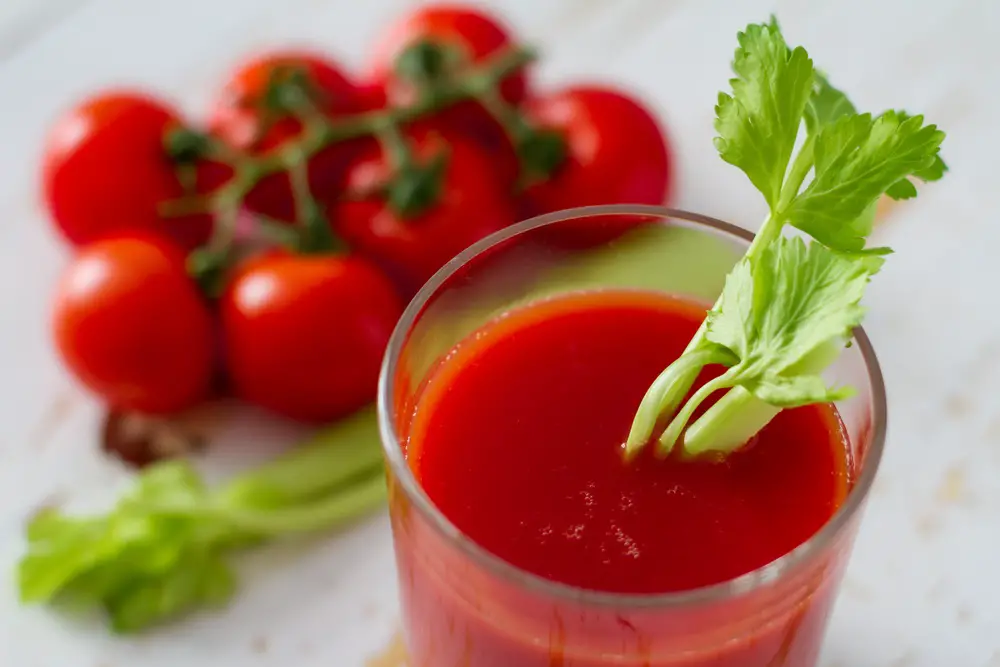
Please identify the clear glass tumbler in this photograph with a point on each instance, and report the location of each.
(464, 607)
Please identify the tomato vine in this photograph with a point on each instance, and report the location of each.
(440, 77)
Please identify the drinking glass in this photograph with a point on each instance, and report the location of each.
(462, 606)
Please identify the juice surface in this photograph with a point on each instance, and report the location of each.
(517, 435)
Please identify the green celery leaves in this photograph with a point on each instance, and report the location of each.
(826, 105)
(788, 306)
(778, 313)
(812, 298)
(857, 159)
(758, 122)
(162, 550)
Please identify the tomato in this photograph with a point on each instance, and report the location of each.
(304, 334)
(239, 117)
(133, 327)
(470, 205)
(371, 95)
(105, 170)
(476, 35)
(616, 154)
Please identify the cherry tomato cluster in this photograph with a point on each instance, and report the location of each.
(275, 247)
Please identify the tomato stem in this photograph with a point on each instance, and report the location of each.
(315, 235)
(277, 232)
(298, 177)
(540, 152)
(414, 184)
(208, 263)
(394, 145)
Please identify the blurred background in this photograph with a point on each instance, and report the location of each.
(923, 589)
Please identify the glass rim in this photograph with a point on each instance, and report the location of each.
(741, 585)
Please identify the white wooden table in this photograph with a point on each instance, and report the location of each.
(924, 586)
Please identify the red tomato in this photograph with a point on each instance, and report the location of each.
(304, 334)
(238, 117)
(105, 171)
(371, 96)
(478, 36)
(133, 327)
(471, 204)
(616, 154)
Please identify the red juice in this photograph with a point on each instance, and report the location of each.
(516, 438)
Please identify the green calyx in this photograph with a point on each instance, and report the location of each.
(416, 188)
(208, 268)
(184, 145)
(290, 91)
(541, 153)
(428, 63)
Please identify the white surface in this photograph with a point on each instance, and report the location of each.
(924, 586)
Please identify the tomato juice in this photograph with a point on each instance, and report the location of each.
(516, 438)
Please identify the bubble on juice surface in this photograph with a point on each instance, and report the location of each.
(626, 501)
(631, 549)
(544, 533)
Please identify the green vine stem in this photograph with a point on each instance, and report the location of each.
(414, 184)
